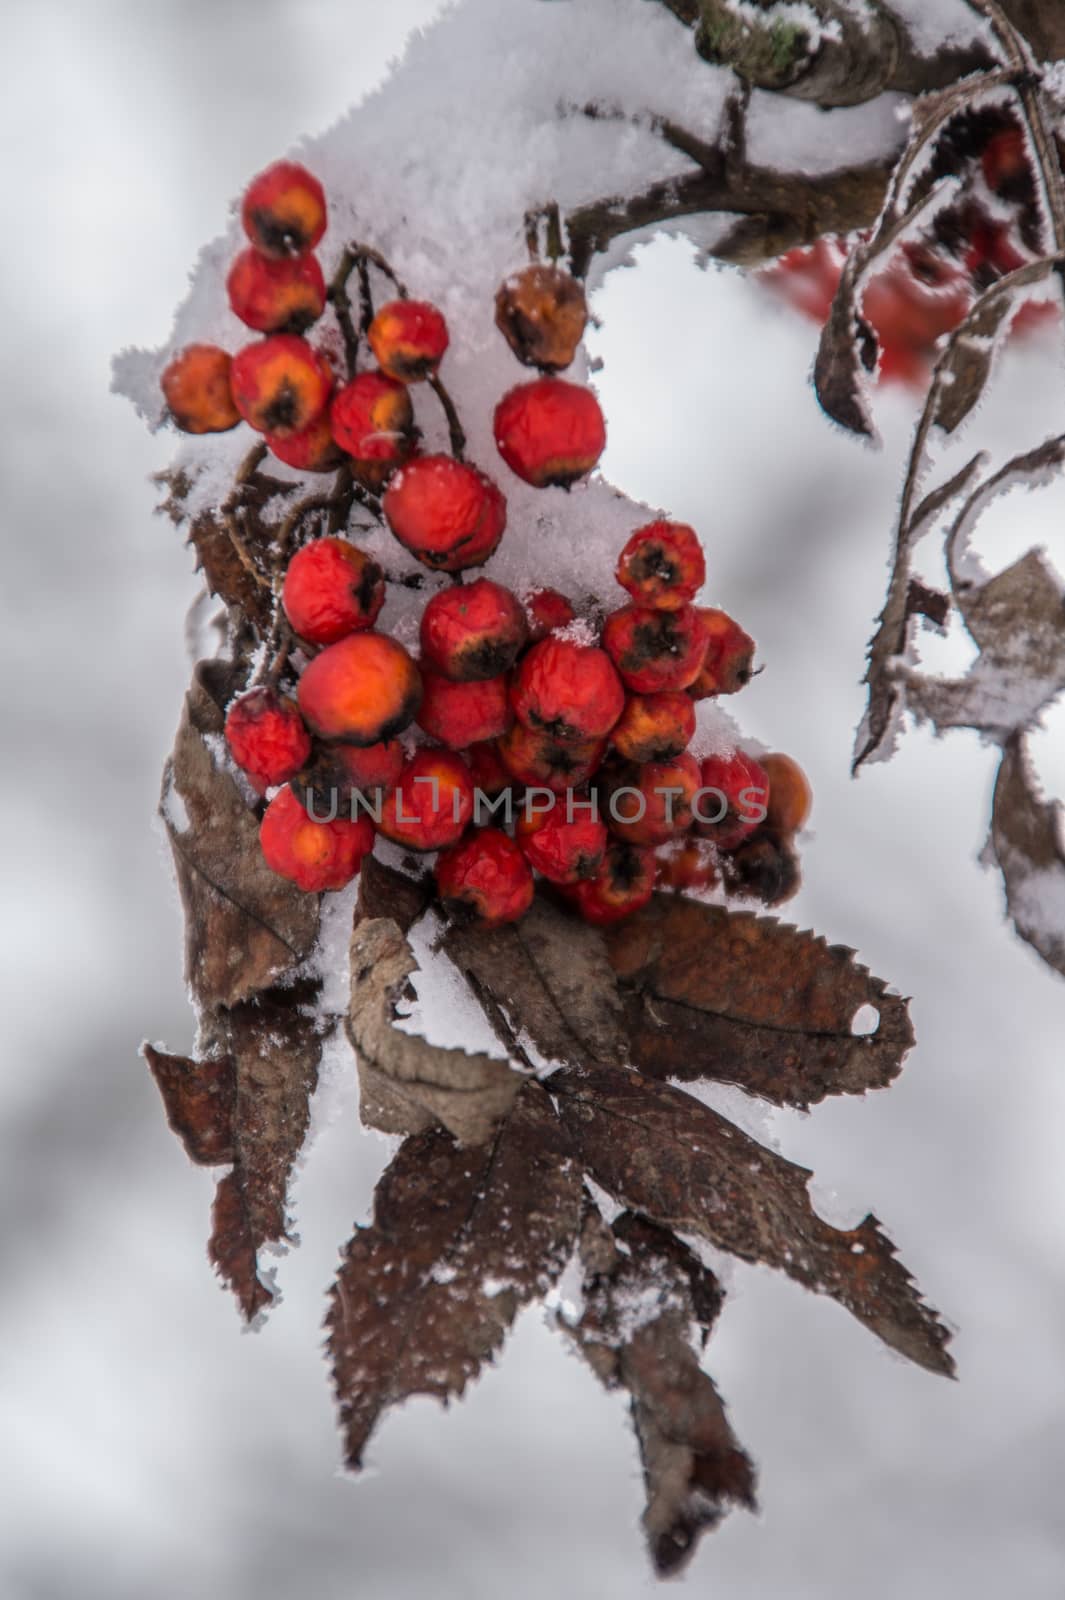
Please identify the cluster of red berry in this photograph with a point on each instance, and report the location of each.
(573, 735)
(927, 287)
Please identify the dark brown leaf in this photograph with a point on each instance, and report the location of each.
(643, 1291)
(967, 364)
(198, 1097)
(461, 1239)
(1027, 841)
(711, 993)
(843, 353)
(663, 1153)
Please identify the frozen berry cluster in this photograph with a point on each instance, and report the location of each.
(524, 739)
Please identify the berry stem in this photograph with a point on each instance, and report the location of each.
(454, 426)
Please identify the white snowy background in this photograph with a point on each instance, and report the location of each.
(151, 1448)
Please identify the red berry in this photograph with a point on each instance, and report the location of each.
(362, 690)
(276, 296)
(652, 803)
(656, 650)
(1005, 162)
(196, 388)
(408, 339)
(733, 800)
(280, 385)
(489, 774)
(570, 691)
(283, 210)
(566, 843)
(686, 864)
(266, 737)
(790, 795)
(662, 565)
(550, 431)
(373, 420)
(472, 630)
(486, 874)
(532, 756)
(655, 727)
(313, 450)
(461, 714)
(332, 589)
(625, 882)
(431, 804)
(313, 855)
(541, 313)
(729, 656)
(448, 514)
(808, 277)
(547, 611)
(348, 779)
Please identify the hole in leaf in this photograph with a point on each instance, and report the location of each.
(865, 1020)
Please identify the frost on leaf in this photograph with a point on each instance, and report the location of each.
(1027, 842)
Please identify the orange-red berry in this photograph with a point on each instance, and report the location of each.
(313, 450)
(625, 882)
(729, 658)
(472, 630)
(489, 774)
(486, 874)
(431, 804)
(373, 421)
(283, 210)
(733, 799)
(280, 384)
(408, 339)
(662, 565)
(654, 727)
(266, 736)
(362, 690)
(448, 514)
(461, 714)
(271, 296)
(347, 779)
(568, 690)
(550, 431)
(532, 756)
(541, 313)
(790, 795)
(196, 388)
(547, 611)
(313, 855)
(656, 650)
(566, 843)
(332, 589)
(652, 803)
(687, 864)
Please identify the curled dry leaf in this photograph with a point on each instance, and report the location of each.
(1028, 843)
(461, 1238)
(643, 1293)
(711, 993)
(199, 1099)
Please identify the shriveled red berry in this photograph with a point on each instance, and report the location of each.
(1004, 162)
(729, 657)
(331, 589)
(652, 803)
(654, 727)
(196, 388)
(266, 736)
(569, 690)
(487, 874)
(763, 867)
(447, 513)
(790, 795)
(489, 774)
(283, 210)
(461, 714)
(541, 313)
(686, 864)
(313, 855)
(472, 630)
(348, 780)
(656, 650)
(431, 804)
(625, 882)
(280, 384)
(272, 296)
(408, 339)
(373, 421)
(550, 431)
(566, 843)
(662, 565)
(313, 450)
(532, 756)
(362, 690)
(547, 610)
(732, 800)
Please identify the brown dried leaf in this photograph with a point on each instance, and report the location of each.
(461, 1239)
(846, 350)
(967, 364)
(745, 999)
(198, 1097)
(663, 1153)
(1026, 838)
(245, 927)
(643, 1292)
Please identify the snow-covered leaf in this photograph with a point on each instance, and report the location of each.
(1028, 843)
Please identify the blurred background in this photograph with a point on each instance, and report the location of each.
(151, 1447)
